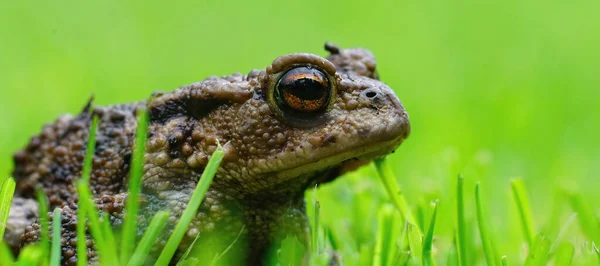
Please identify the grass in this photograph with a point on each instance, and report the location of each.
(428, 242)
(484, 232)
(522, 202)
(154, 229)
(55, 253)
(399, 240)
(7, 189)
(102, 233)
(461, 226)
(130, 226)
(85, 177)
(192, 207)
(394, 192)
(494, 90)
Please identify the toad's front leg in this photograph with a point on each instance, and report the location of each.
(23, 213)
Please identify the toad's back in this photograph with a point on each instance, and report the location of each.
(53, 159)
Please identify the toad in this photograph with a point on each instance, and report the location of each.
(304, 120)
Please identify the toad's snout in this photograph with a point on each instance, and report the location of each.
(381, 95)
(389, 118)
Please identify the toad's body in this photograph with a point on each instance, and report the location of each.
(301, 121)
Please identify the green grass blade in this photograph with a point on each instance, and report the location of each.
(366, 254)
(596, 249)
(504, 261)
(384, 242)
(152, 232)
(135, 177)
(522, 201)
(7, 190)
(184, 258)
(486, 238)
(291, 252)
(562, 231)
(229, 247)
(107, 254)
(81, 235)
(415, 242)
(394, 191)
(321, 259)
(191, 208)
(428, 242)
(380, 238)
(89, 152)
(85, 177)
(462, 225)
(333, 240)
(316, 220)
(420, 213)
(452, 256)
(2, 180)
(394, 232)
(56, 237)
(403, 258)
(587, 220)
(109, 237)
(31, 255)
(564, 254)
(43, 220)
(552, 225)
(403, 243)
(538, 252)
(5, 253)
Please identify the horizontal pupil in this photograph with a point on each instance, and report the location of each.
(306, 89)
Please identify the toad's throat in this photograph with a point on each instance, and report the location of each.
(363, 153)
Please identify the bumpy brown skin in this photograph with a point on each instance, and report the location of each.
(271, 156)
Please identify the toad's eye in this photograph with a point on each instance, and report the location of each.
(303, 89)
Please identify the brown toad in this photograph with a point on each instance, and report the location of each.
(303, 120)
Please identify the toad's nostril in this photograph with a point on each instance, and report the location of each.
(371, 94)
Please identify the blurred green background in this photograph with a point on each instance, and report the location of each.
(495, 90)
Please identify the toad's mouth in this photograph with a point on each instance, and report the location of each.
(347, 160)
